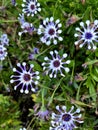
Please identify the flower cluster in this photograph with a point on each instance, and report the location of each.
(25, 78)
(50, 31)
(87, 35)
(56, 64)
(65, 120)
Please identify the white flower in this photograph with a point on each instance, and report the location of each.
(87, 35)
(65, 120)
(56, 64)
(3, 52)
(25, 78)
(31, 7)
(50, 31)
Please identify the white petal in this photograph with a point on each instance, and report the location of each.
(59, 25)
(65, 55)
(88, 22)
(51, 19)
(67, 69)
(82, 24)
(26, 91)
(57, 21)
(68, 61)
(60, 38)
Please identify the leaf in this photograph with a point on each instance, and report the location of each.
(94, 77)
(87, 13)
(92, 91)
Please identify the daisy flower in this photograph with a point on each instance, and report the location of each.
(50, 31)
(65, 120)
(33, 53)
(3, 52)
(43, 114)
(25, 78)
(31, 7)
(56, 64)
(4, 40)
(26, 26)
(87, 34)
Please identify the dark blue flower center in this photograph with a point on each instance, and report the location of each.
(1, 52)
(51, 31)
(26, 77)
(66, 117)
(56, 63)
(32, 6)
(88, 35)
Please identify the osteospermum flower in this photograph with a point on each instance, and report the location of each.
(4, 40)
(31, 7)
(65, 120)
(50, 31)
(25, 78)
(56, 64)
(26, 26)
(87, 35)
(3, 52)
(43, 114)
(33, 53)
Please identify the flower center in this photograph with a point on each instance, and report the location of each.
(26, 77)
(66, 117)
(32, 6)
(56, 63)
(1, 52)
(51, 31)
(88, 35)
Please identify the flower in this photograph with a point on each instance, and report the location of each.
(56, 64)
(25, 78)
(26, 26)
(65, 120)
(87, 35)
(43, 114)
(4, 40)
(3, 52)
(31, 7)
(50, 31)
(34, 52)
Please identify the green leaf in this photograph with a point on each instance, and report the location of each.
(94, 77)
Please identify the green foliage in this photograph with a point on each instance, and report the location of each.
(9, 113)
(79, 87)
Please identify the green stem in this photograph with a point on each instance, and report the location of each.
(58, 84)
(43, 101)
(30, 123)
(72, 75)
(44, 51)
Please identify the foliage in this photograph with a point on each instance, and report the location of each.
(78, 87)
